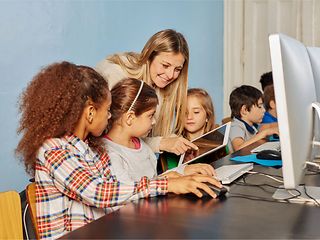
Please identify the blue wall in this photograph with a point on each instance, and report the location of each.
(37, 33)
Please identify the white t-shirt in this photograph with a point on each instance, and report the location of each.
(129, 164)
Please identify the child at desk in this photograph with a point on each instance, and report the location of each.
(64, 111)
(269, 119)
(200, 114)
(247, 111)
(132, 119)
(200, 119)
(270, 116)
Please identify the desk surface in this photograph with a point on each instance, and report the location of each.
(187, 216)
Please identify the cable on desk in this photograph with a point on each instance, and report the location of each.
(245, 183)
(273, 177)
(311, 198)
(256, 185)
(249, 197)
(315, 200)
(261, 186)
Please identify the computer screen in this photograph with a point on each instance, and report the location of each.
(294, 93)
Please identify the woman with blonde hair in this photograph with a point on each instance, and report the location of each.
(162, 64)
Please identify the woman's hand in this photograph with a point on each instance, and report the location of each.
(192, 184)
(201, 168)
(176, 145)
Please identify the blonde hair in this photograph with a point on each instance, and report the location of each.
(174, 96)
(206, 102)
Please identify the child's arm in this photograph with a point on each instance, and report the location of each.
(73, 177)
(238, 142)
(267, 125)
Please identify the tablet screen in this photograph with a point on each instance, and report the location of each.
(207, 143)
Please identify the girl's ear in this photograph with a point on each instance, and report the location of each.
(129, 117)
(90, 112)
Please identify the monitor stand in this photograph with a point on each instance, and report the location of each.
(282, 194)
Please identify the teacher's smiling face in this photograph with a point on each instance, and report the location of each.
(165, 68)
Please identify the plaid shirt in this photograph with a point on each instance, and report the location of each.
(74, 186)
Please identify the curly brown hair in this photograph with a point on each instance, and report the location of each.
(52, 104)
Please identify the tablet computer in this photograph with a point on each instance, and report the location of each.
(207, 143)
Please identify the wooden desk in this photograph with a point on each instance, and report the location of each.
(186, 217)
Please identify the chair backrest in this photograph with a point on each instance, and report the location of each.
(31, 198)
(10, 216)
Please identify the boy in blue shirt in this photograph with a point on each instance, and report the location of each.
(247, 111)
(270, 116)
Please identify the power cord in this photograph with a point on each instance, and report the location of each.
(315, 200)
(296, 195)
(262, 186)
(273, 177)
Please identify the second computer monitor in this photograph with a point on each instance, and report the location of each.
(294, 93)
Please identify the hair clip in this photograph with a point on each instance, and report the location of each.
(135, 99)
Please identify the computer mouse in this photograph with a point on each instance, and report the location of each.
(220, 192)
(275, 136)
(269, 155)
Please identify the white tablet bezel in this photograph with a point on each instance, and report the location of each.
(224, 143)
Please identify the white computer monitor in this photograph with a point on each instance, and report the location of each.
(294, 93)
(314, 55)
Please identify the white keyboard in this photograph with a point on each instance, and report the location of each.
(267, 146)
(228, 173)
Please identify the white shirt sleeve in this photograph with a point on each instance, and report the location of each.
(111, 72)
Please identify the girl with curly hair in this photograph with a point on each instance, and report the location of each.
(64, 111)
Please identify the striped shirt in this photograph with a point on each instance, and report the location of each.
(74, 186)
